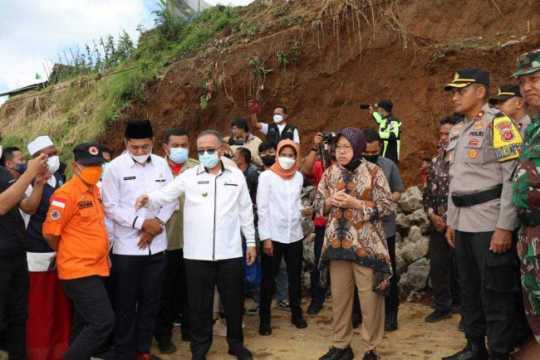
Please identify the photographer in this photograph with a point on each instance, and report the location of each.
(241, 137)
(389, 128)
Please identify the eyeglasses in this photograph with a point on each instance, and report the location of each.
(208, 151)
(343, 148)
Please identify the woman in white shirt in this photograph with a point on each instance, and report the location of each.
(280, 230)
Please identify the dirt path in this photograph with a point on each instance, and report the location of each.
(415, 339)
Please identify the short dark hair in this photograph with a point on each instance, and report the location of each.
(266, 146)
(245, 153)
(240, 123)
(282, 107)
(174, 132)
(371, 135)
(212, 132)
(7, 154)
(451, 119)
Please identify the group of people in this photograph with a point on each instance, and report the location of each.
(104, 263)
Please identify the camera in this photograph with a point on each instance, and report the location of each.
(329, 137)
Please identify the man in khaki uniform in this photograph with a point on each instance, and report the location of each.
(482, 151)
(174, 298)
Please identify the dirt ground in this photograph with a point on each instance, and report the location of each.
(415, 339)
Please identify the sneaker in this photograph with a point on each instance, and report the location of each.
(338, 354)
(438, 315)
(299, 322)
(371, 355)
(314, 308)
(284, 305)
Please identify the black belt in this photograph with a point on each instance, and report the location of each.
(529, 217)
(477, 198)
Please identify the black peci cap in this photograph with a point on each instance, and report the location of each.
(88, 154)
(466, 77)
(504, 93)
(139, 129)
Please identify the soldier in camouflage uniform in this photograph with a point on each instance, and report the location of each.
(526, 190)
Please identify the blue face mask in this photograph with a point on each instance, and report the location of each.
(207, 160)
(179, 155)
(21, 168)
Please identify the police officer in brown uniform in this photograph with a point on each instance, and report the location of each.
(482, 151)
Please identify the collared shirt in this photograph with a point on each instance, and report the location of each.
(391, 172)
(279, 207)
(216, 209)
(435, 197)
(123, 182)
(76, 216)
(474, 167)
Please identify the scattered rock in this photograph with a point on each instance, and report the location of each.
(419, 218)
(403, 221)
(415, 234)
(416, 277)
(411, 200)
(410, 252)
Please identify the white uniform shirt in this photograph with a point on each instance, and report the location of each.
(216, 209)
(279, 207)
(123, 182)
(281, 127)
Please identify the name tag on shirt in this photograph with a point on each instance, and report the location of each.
(127, 178)
(205, 182)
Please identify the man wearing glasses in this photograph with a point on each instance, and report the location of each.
(217, 207)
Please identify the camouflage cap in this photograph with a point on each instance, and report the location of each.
(528, 63)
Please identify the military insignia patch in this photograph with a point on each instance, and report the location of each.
(507, 140)
(55, 215)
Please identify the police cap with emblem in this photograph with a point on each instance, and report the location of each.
(466, 77)
(88, 154)
(528, 63)
(504, 93)
(139, 129)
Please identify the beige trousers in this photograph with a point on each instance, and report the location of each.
(343, 276)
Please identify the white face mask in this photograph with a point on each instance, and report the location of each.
(278, 118)
(286, 163)
(141, 159)
(53, 163)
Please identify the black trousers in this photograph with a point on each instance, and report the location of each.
(202, 278)
(318, 292)
(93, 320)
(173, 297)
(137, 283)
(490, 291)
(293, 254)
(443, 272)
(14, 304)
(392, 299)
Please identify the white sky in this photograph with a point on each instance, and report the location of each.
(34, 32)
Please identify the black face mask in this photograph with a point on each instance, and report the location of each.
(372, 158)
(21, 168)
(268, 160)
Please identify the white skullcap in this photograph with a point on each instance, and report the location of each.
(38, 144)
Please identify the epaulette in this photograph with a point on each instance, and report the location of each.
(506, 138)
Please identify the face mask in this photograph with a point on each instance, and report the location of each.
(53, 163)
(209, 161)
(372, 158)
(286, 163)
(141, 159)
(20, 168)
(91, 174)
(179, 155)
(268, 160)
(278, 118)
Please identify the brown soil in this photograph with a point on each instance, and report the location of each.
(415, 339)
(362, 52)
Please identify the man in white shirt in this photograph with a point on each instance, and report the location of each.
(140, 240)
(279, 130)
(217, 207)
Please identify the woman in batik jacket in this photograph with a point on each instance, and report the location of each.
(355, 196)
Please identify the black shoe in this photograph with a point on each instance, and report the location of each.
(314, 308)
(438, 315)
(356, 321)
(166, 347)
(241, 354)
(371, 355)
(265, 329)
(299, 322)
(390, 323)
(472, 351)
(338, 354)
